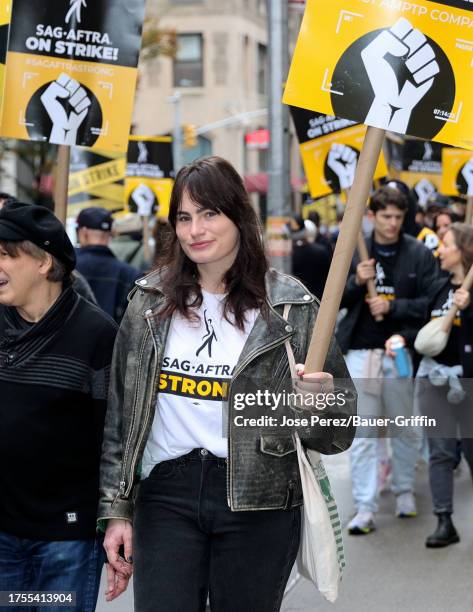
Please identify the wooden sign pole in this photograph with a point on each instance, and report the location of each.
(346, 243)
(146, 249)
(61, 182)
(364, 256)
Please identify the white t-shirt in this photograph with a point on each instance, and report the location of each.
(199, 359)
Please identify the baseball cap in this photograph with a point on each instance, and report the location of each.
(96, 218)
(20, 221)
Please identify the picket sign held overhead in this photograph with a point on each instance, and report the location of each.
(149, 175)
(398, 66)
(457, 177)
(342, 66)
(457, 172)
(71, 71)
(418, 163)
(5, 15)
(329, 148)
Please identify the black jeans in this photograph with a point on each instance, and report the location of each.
(453, 422)
(188, 544)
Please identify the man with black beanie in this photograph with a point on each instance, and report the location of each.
(55, 354)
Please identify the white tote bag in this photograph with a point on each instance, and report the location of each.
(321, 557)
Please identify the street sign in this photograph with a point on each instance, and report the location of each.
(257, 139)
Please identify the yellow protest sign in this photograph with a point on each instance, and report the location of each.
(96, 178)
(424, 185)
(5, 14)
(457, 172)
(330, 148)
(150, 175)
(400, 66)
(71, 71)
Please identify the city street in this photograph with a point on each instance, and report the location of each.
(390, 569)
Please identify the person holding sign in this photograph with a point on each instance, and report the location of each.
(449, 404)
(403, 271)
(217, 510)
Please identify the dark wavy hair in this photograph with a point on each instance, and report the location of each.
(463, 235)
(213, 183)
(388, 196)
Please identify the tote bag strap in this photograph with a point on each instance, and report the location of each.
(287, 344)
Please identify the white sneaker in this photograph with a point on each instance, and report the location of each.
(406, 505)
(362, 523)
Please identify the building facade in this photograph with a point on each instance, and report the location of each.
(221, 72)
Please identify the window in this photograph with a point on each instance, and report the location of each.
(262, 75)
(188, 63)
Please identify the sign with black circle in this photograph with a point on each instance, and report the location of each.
(457, 172)
(71, 71)
(329, 148)
(398, 66)
(150, 175)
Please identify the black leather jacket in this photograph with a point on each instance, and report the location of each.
(262, 469)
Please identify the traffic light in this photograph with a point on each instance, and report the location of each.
(190, 136)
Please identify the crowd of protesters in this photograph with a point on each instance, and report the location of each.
(209, 288)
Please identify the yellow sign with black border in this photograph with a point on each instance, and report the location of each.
(406, 67)
(330, 148)
(150, 175)
(5, 15)
(71, 72)
(457, 172)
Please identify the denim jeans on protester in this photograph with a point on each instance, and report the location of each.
(188, 544)
(389, 396)
(30, 565)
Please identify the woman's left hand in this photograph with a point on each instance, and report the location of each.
(461, 298)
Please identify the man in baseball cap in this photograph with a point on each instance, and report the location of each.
(95, 218)
(111, 280)
(55, 353)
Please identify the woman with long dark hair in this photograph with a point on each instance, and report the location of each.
(217, 509)
(443, 391)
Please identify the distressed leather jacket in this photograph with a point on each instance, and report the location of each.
(262, 467)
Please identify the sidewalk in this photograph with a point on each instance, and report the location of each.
(390, 569)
